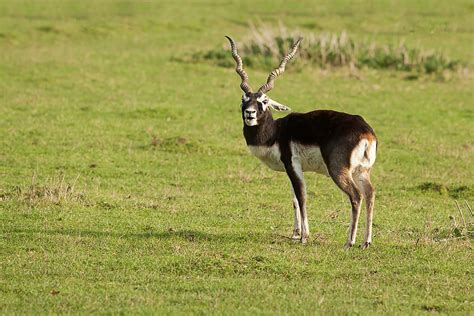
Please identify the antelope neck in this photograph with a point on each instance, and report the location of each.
(264, 134)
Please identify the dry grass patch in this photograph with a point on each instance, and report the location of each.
(265, 46)
(54, 190)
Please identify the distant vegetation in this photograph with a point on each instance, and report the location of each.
(265, 46)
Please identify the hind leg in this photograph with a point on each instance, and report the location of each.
(343, 178)
(362, 180)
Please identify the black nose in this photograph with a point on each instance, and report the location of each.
(250, 111)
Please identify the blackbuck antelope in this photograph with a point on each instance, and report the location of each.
(335, 144)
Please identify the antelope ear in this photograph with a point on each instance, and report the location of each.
(278, 106)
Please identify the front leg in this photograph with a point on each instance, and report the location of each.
(297, 226)
(295, 173)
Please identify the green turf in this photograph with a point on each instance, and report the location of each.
(170, 213)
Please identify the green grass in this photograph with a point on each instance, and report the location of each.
(126, 186)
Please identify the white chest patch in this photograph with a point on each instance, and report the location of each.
(270, 156)
(309, 157)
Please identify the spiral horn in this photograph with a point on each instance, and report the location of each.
(278, 71)
(244, 85)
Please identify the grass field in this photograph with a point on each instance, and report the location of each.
(126, 185)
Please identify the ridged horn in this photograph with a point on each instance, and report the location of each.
(239, 69)
(278, 71)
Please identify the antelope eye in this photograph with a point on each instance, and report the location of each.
(265, 101)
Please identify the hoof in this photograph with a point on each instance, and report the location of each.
(348, 246)
(296, 238)
(296, 235)
(304, 240)
(365, 245)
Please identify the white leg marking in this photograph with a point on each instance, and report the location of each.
(355, 212)
(369, 204)
(297, 224)
(368, 229)
(362, 180)
(296, 164)
(353, 228)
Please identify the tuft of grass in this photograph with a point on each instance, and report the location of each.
(460, 227)
(462, 191)
(433, 187)
(54, 190)
(463, 227)
(266, 45)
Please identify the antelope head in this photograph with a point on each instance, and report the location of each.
(255, 104)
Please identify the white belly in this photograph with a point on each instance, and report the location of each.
(310, 158)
